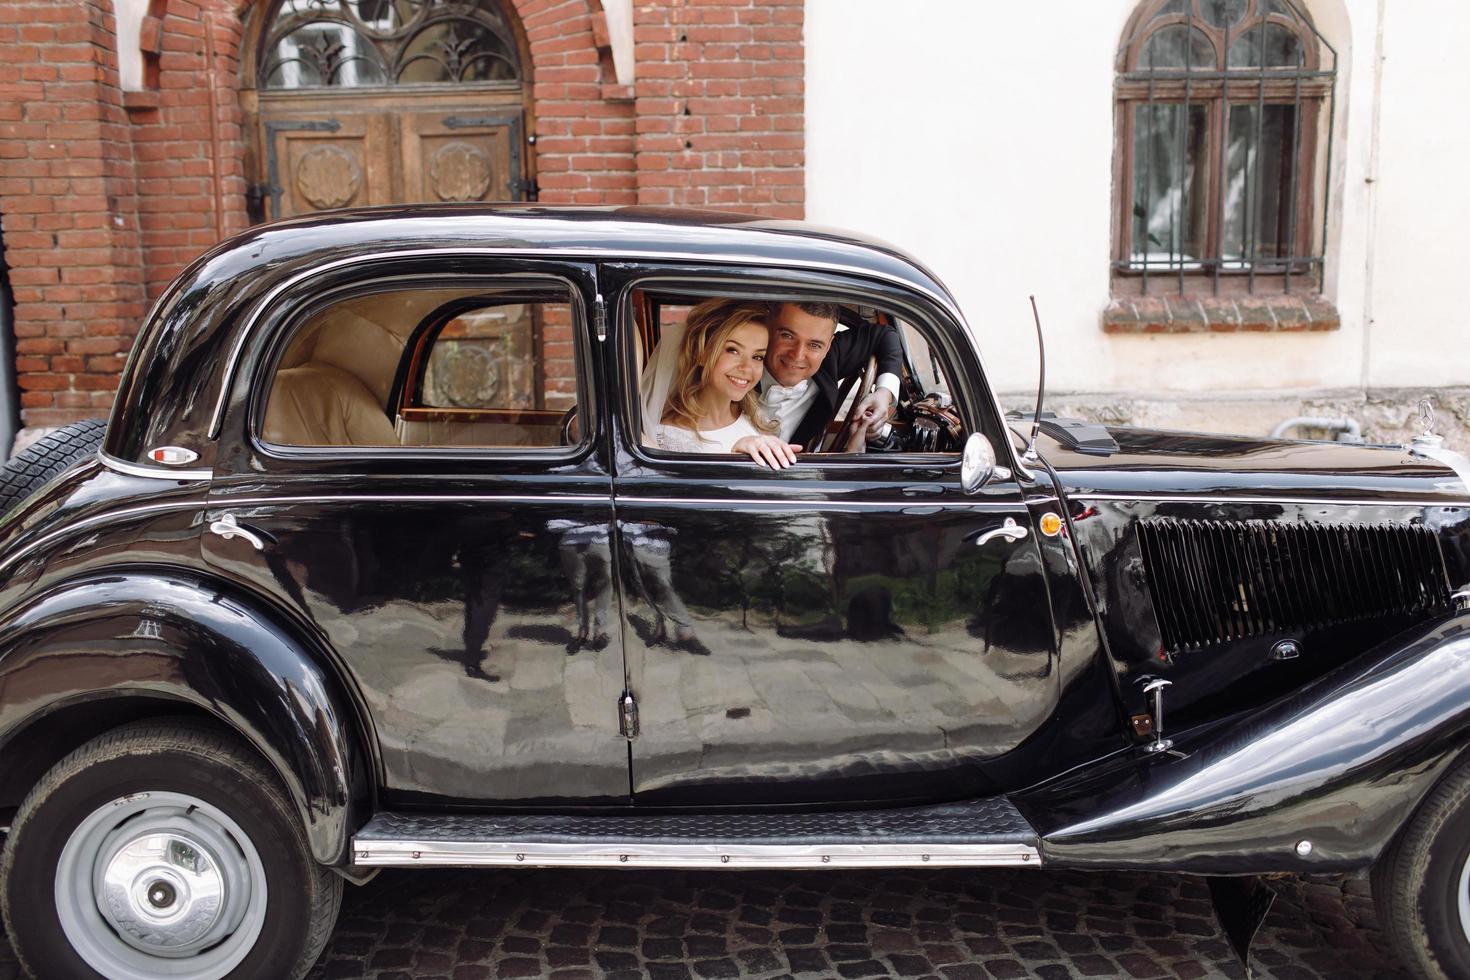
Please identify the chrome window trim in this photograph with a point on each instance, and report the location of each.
(152, 472)
(1144, 498)
(715, 856)
(227, 381)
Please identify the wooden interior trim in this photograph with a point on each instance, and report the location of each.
(500, 416)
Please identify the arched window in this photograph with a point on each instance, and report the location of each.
(363, 43)
(1224, 120)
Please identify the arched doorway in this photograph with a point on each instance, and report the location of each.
(360, 102)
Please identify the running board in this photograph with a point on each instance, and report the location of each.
(982, 833)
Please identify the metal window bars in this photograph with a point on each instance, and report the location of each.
(378, 43)
(1237, 61)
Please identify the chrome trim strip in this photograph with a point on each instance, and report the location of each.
(230, 503)
(1443, 454)
(152, 472)
(87, 522)
(424, 854)
(1140, 498)
(604, 254)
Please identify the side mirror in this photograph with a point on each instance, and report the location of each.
(977, 463)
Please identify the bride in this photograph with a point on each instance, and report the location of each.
(711, 403)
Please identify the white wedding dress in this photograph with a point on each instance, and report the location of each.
(677, 439)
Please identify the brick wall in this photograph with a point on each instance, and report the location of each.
(721, 105)
(584, 120)
(68, 206)
(188, 137)
(105, 196)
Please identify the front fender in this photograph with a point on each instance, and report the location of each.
(1341, 765)
(169, 634)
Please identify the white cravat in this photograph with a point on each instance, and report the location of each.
(786, 406)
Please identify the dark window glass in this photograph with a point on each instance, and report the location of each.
(361, 43)
(1169, 181)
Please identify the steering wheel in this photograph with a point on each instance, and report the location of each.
(870, 374)
(568, 423)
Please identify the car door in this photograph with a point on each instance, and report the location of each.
(415, 462)
(853, 628)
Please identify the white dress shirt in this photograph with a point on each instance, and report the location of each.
(788, 406)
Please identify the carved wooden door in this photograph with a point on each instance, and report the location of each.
(363, 102)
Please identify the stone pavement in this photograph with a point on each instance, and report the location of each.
(954, 925)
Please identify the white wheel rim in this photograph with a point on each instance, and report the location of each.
(160, 885)
(1464, 899)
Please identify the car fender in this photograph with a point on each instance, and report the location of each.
(171, 635)
(1318, 781)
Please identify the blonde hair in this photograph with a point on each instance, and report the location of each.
(706, 329)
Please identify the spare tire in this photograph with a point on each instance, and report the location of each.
(30, 470)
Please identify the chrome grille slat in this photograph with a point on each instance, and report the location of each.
(1214, 582)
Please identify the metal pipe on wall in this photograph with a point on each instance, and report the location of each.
(9, 399)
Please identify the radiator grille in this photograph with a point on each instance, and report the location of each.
(1216, 581)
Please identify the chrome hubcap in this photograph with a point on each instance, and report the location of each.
(160, 884)
(163, 892)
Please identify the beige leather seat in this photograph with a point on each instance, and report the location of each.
(317, 404)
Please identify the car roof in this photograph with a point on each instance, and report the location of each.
(177, 379)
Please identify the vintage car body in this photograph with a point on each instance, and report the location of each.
(1307, 603)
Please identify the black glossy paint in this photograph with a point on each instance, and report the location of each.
(462, 623)
(1338, 764)
(145, 631)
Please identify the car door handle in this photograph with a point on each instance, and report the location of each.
(1010, 530)
(227, 527)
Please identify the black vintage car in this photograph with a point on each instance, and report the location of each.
(377, 566)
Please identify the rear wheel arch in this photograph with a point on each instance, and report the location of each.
(169, 642)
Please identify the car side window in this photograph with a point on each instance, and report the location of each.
(830, 375)
(486, 366)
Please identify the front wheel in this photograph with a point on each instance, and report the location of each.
(1421, 884)
(163, 850)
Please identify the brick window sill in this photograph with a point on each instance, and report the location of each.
(1285, 313)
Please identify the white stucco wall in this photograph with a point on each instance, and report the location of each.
(979, 136)
(130, 14)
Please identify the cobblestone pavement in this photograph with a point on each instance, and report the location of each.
(955, 925)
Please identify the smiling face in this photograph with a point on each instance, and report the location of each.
(736, 366)
(799, 343)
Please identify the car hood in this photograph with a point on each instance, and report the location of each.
(1151, 462)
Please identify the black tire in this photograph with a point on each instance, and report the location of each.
(34, 467)
(289, 920)
(1420, 884)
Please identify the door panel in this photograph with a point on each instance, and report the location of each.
(788, 647)
(458, 155)
(454, 615)
(316, 161)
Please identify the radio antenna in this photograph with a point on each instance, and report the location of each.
(1030, 455)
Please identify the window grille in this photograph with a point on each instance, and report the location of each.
(375, 43)
(1224, 114)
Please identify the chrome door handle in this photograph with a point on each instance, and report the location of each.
(1010, 530)
(227, 527)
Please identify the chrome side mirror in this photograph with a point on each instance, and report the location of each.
(977, 463)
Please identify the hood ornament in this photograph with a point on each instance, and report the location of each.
(1426, 439)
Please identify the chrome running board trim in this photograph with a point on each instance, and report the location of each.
(732, 856)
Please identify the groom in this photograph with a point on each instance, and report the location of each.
(807, 359)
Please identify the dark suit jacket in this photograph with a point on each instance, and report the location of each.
(848, 356)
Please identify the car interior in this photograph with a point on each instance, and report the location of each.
(497, 368)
